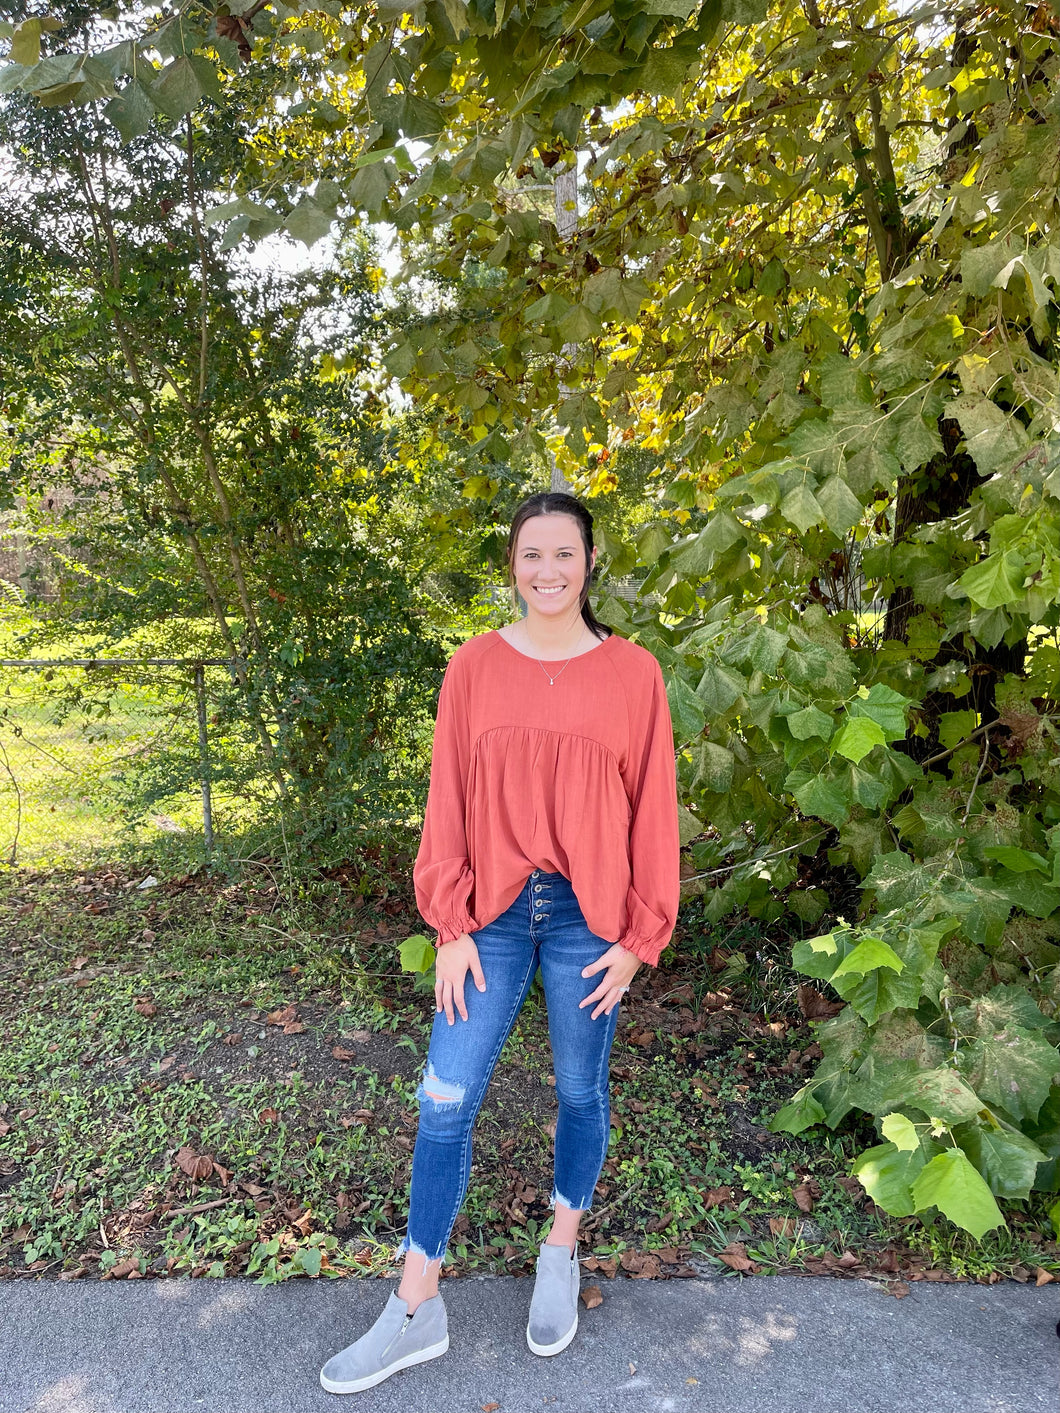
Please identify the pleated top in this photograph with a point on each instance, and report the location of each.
(575, 777)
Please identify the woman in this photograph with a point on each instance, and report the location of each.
(550, 840)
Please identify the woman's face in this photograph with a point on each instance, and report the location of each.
(549, 564)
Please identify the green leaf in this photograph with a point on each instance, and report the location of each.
(370, 187)
(579, 324)
(1007, 1159)
(887, 1173)
(842, 509)
(309, 1258)
(719, 688)
(416, 954)
(696, 555)
(177, 90)
(870, 953)
(550, 308)
(307, 222)
(688, 826)
(995, 581)
(856, 738)
(685, 708)
(801, 508)
(25, 42)
(1013, 1068)
(940, 1093)
(826, 796)
(994, 437)
(950, 1183)
(801, 1112)
(816, 956)
(766, 649)
(1018, 860)
(883, 705)
(901, 1132)
(810, 722)
(131, 112)
(714, 768)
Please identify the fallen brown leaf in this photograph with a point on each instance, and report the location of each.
(592, 1296)
(641, 1265)
(717, 1197)
(339, 1052)
(281, 1017)
(1044, 1276)
(898, 1289)
(736, 1258)
(268, 1116)
(814, 1006)
(783, 1226)
(122, 1269)
(806, 1194)
(197, 1166)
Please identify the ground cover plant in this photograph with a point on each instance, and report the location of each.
(791, 271)
(214, 1077)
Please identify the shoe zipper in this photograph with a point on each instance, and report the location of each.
(391, 1342)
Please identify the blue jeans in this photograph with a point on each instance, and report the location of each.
(543, 927)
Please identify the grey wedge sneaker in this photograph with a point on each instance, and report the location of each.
(396, 1341)
(553, 1319)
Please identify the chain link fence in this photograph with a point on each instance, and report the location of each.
(94, 750)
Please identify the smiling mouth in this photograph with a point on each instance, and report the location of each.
(556, 589)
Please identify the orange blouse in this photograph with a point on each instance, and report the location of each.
(575, 778)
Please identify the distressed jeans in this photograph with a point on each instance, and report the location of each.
(543, 928)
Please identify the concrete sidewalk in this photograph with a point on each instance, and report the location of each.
(761, 1345)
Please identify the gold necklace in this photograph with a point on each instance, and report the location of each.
(551, 680)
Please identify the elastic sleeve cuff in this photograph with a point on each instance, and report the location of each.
(450, 931)
(647, 949)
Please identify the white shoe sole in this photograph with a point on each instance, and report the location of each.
(370, 1380)
(560, 1344)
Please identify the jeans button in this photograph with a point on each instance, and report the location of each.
(537, 887)
(538, 917)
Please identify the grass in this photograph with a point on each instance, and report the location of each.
(217, 1076)
(88, 759)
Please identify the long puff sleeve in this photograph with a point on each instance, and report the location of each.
(442, 872)
(655, 885)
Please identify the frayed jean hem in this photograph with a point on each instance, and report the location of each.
(557, 1198)
(408, 1245)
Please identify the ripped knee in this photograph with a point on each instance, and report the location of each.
(440, 1091)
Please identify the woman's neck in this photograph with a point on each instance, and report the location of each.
(553, 637)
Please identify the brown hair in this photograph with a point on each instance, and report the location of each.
(559, 503)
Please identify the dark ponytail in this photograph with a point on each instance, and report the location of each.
(559, 503)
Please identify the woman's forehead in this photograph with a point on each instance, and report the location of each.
(557, 531)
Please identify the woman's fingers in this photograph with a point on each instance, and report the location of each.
(608, 1004)
(458, 997)
(447, 1000)
(608, 994)
(477, 972)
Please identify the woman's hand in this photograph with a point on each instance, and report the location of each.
(452, 962)
(619, 965)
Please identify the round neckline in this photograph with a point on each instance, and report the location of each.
(527, 658)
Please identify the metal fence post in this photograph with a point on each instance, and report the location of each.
(204, 757)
